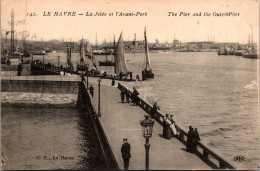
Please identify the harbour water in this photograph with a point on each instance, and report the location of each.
(37, 136)
(216, 94)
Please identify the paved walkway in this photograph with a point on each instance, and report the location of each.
(123, 120)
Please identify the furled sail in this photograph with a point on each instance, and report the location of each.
(120, 62)
(147, 63)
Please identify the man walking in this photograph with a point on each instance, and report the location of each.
(122, 94)
(91, 89)
(126, 155)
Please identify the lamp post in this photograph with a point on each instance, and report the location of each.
(32, 57)
(147, 127)
(99, 80)
(87, 75)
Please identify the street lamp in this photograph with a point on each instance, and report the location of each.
(147, 127)
(87, 75)
(99, 80)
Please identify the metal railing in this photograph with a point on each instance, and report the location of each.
(158, 116)
(42, 78)
(46, 67)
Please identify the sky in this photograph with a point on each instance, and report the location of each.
(158, 24)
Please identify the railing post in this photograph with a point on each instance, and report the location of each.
(205, 153)
(222, 165)
(181, 135)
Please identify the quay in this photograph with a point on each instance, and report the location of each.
(120, 120)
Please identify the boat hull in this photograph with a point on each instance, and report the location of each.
(106, 63)
(147, 74)
(250, 56)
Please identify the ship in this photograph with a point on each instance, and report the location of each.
(121, 68)
(146, 71)
(107, 62)
(82, 67)
(251, 55)
(39, 53)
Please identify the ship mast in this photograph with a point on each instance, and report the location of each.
(96, 40)
(12, 31)
(252, 35)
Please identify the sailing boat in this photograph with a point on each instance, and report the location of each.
(107, 62)
(147, 71)
(88, 50)
(120, 68)
(69, 67)
(251, 52)
(82, 66)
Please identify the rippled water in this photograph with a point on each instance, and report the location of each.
(48, 138)
(216, 94)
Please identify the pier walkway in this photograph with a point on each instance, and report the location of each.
(120, 120)
(123, 120)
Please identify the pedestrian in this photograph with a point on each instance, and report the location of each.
(166, 133)
(195, 140)
(122, 94)
(135, 96)
(154, 109)
(131, 76)
(189, 139)
(126, 155)
(143, 75)
(91, 89)
(120, 76)
(173, 127)
(127, 96)
(137, 78)
(113, 81)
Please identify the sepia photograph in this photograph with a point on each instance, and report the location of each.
(130, 85)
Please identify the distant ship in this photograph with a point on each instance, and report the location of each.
(107, 62)
(251, 55)
(39, 53)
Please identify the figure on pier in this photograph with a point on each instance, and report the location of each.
(113, 81)
(91, 89)
(135, 96)
(127, 96)
(189, 139)
(154, 110)
(195, 139)
(122, 94)
(126, 155)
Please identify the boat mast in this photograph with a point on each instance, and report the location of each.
(147, 60)
(12, 31)
(96, 40)
(82, 52)
(252, 36)
(114, 48)
(106, 48)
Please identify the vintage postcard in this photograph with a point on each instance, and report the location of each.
(130, 84)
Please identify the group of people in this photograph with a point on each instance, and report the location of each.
(126, 75)
(169, 128)
(125, 95)
(192, 140)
